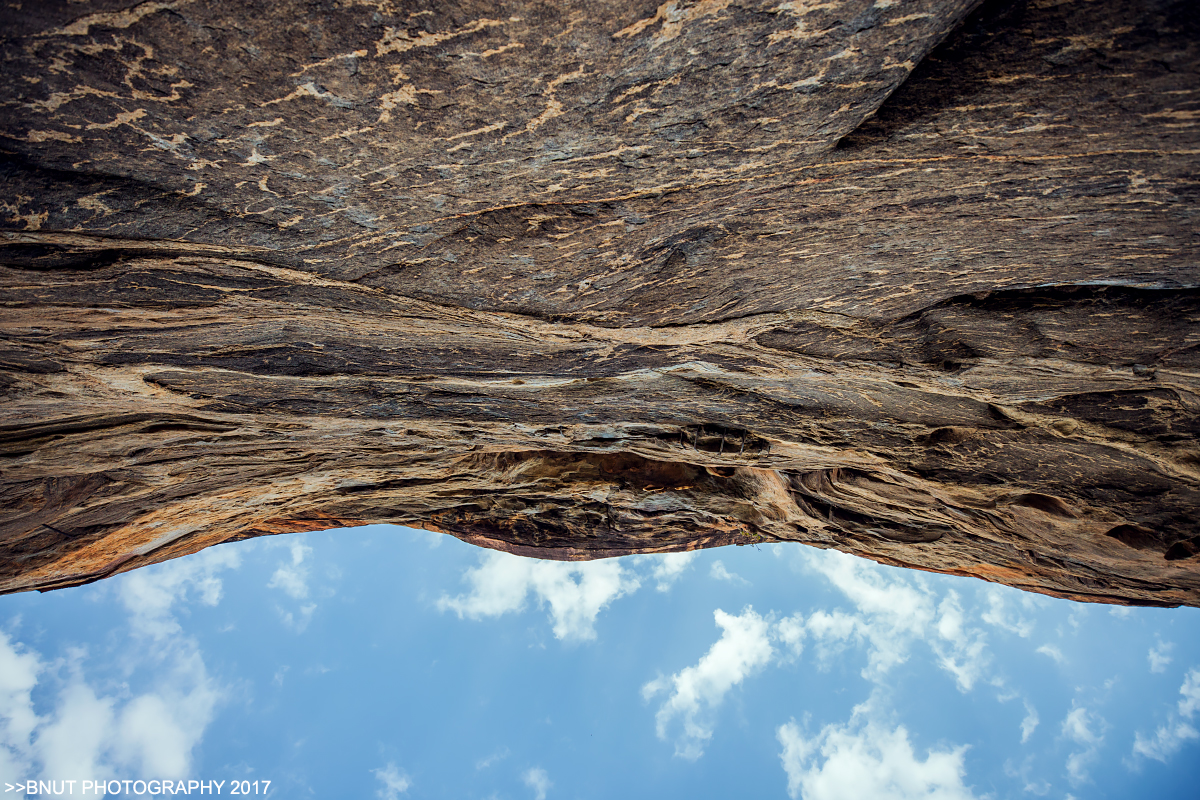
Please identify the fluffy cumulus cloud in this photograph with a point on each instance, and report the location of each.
(537, 779)
(892, 612)
(394, 782)
(721, 573)
(1085, 729)
(791, 632)
(693, 693)
(575, 591)
(960, 649)
(830, 631)
(668, 567)
(19, 671)
(1004, 609)
(1029, 723)
(87, 732)
(159, 729)
(72, 739)
(1160, 656)
(866, 758)
(1189, 702)
(1053, 652)
(291, 577)
(1178, 730)
(150, 594)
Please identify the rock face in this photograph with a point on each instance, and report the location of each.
(915, 280)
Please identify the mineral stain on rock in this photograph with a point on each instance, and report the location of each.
(916, 281)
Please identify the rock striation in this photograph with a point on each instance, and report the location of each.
(914, 280)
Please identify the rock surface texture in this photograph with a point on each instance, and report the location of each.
(912, 279)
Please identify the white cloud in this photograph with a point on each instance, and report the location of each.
(1021, 776)
(792, 631)
(292, 577)
(718, 571)
(1170, 737)
(395, 782)
(960, 650)
(576, 591)
(1078, 726)
(537, 779)
(19, 670)
(875, 592)
(1082, 727)
(1190, 704)
(832, 632)
(72, 742)
(432, 539)
(149, 594)
(499, 585)
(1030, 723)
(866, 759)
(893, 613)
(1159, 656)
(155, 731)
(298, 620)
(1000, 615)
(1053, 652)
(1167, 740)
(668, 567)
(696, 691)
(159, 730)
(499, 755)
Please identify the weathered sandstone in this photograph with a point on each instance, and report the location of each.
(915, 280)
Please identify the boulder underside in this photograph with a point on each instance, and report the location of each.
(917, 281)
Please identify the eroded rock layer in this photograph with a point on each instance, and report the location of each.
(914, 280)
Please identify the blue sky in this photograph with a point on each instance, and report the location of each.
(391, 663)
